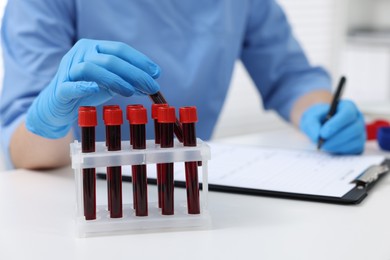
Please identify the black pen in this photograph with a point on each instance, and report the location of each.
(333, 106)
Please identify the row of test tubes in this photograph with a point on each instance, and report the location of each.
(165, 125)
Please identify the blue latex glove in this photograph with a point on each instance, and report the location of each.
(344, 133)
(91, 73)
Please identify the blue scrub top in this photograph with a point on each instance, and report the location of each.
(196, 44)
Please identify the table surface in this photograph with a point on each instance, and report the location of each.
(38, 209)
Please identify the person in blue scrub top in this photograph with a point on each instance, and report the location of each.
(61, 54)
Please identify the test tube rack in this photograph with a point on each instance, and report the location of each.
(129, 223)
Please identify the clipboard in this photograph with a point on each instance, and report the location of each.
(362, 183)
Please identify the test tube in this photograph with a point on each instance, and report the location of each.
(157, 141)
(87, 122)
(128, 113)
(166, 118)
(113, 120)
(128, 108)
(107, 137)
(155, 108)
(188, 118)
(104, 119)
(138, 119)
(158, 98)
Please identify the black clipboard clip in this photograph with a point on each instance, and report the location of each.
(370, 176)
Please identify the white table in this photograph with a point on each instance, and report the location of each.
(37, 222)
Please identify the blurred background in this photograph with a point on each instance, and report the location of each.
(347, 37)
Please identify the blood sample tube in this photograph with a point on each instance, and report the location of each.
(104, 119)
(188, 118)
(157, 141)
(113, 120)
(166, 118)
(87, 121)
(158, 98)
(128, 114)
(107, 137)
(156, 123)
(138, 119)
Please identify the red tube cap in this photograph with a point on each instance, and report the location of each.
(137, 116)
(188, 115)
(155, 109)
(108, 107)
(166, 115)
(87, 116)
(130, 107)
(113, 116)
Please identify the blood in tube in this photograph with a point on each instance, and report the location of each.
(188, 118)
(87, 122)
(128, 108)
(166, 118)
(138, 119)
(113, 120)
(158, 98)
(108, 172)
(157, 136)
(128, 113)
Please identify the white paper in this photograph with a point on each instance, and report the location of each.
(293, 171)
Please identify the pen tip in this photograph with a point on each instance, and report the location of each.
(343, 79)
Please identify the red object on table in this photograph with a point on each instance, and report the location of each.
(373, 127)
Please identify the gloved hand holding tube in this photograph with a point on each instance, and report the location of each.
(91, 73)
(344, 133)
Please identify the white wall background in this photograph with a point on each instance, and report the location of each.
(366, 53)
(369, 12)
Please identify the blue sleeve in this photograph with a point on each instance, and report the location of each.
(276, 61)
(35, 35)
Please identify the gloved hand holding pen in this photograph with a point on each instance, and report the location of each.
(91, 73)
(344, 133)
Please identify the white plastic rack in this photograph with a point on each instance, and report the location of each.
(129, 223)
